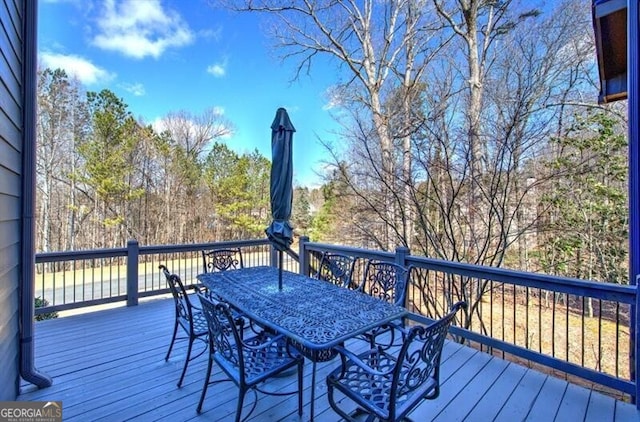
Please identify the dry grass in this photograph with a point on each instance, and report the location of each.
(557, 326)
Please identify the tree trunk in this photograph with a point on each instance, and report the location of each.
(475, 148)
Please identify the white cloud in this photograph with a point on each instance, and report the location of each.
(136, 89)
(218, 70)
(185, 126)
(76, 66)
(159, 124)
(214, 34)
(139, 29)
(331, 104)
(335, 98)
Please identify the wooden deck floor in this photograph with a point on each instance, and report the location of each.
(109, 365)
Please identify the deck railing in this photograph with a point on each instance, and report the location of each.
(573, 328)
(578, 328)
(76, 279)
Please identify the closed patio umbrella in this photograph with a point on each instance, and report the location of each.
(280, 232)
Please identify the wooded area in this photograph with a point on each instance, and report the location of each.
(470, 133)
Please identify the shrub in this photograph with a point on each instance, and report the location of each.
(41, 303)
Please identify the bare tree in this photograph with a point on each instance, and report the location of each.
(537, 79)
(477, 204)
(478, 24)
(380, 48)
(189, 139)
(61, 121)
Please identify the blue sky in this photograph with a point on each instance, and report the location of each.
(164, 56)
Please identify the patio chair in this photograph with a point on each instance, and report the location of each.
(222, 259)
(388, 385)
(246, 362)
(386, 281)
(336, 268)
(188, 317)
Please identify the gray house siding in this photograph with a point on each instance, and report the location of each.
(11, 142)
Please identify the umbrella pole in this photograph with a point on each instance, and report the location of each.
(280, 272)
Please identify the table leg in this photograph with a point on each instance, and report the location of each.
(313, 390)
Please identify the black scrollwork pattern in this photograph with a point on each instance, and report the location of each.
(316, 314)
(336, 269)
(386, 281)
(390, 384)
(221, 331)
(222, 259)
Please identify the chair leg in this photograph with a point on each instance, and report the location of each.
(206, 385)
(186, 360)
(241, 393)
(393, 338)
(335, 406)
(173, 339)
(372, 341)
(374, 335)
(300, 389)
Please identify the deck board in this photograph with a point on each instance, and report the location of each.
(488, 407)
(473, 391)
(600, 407)
(109, 365)
(574, 403)
(519, 402)
(626, 412)
(549, 400)
(452, 386)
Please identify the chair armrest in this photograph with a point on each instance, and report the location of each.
(360, 363)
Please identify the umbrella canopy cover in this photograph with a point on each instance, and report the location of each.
(280, 231)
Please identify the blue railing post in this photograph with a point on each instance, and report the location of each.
(304, 256)
(133, 253)
(273, 256)
(401, 255)
(402, 252)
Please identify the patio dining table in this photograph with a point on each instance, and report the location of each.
(315, 315)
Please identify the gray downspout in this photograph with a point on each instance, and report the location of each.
(27, 283)
(633, 107)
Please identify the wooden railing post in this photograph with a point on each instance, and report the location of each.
(304, 255)
(133, 253)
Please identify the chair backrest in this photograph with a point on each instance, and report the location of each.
(224, 336)
(222, 259)
(386, 281)
(418, 361)
(181, 298)
(336, 268)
